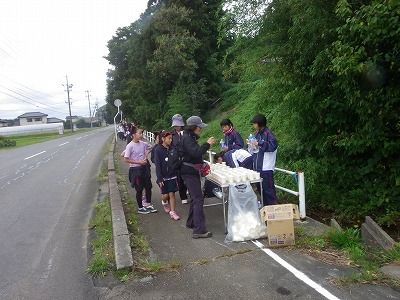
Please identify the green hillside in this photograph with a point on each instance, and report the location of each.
(325, 73)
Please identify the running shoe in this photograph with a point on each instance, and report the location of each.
(150, 209)
(174, 216)
(167, 208)
(217, 192)
(143, 210)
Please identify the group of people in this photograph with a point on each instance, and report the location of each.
(124, 131)
(187, 180)
(259, 153)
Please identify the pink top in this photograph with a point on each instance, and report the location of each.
(136, 151)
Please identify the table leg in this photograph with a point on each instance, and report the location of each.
(224, 210)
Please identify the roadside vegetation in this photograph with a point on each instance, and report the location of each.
(346, 248)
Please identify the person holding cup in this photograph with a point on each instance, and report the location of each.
(192, 154)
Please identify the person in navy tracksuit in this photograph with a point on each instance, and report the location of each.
(233, 140)
(264, 160)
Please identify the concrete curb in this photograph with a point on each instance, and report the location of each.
(122, 248)
(373, 235)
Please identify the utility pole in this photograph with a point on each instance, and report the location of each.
(90, 109)
(69, 86)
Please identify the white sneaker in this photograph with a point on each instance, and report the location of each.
(217, 192)
(184, 201)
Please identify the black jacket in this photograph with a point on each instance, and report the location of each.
(191, 152)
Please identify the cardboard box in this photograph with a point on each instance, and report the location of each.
(278, 212)
(280, 232)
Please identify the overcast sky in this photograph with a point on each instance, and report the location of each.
(43, 41)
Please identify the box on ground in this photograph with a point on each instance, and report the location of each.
(282, 211)
(280, 232)
(280, 226)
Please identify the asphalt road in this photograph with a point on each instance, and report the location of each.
(47, 192)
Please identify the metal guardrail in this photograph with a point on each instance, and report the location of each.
(149, 136)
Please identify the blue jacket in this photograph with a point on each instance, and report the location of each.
(234, 140)
(265, 158)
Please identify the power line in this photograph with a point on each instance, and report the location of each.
(31, 88)
(25, 97)
(45, 108)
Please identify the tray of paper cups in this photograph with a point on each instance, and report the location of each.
(223, 174)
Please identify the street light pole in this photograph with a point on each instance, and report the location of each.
(69, 86)
(90, 109)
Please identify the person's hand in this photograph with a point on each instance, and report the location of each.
(224, 149)
(211, 140)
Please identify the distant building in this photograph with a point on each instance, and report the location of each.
(32, 118)
(3, 123)
(54, 120)
(74, 119)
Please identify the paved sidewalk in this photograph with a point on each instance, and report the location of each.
(213, 269)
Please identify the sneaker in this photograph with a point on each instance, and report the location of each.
(202, 235)
(150, 209)
(184, 201)
(166, 207)
(143, 210)
(217, 192)
(174, 216)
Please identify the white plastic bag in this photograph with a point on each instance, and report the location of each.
(244, 219)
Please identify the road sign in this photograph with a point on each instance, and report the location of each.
(117, 103)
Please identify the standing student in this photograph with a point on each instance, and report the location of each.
(192, 153)
(177, 124)
(157, 143)
(264, 160)
(166, 178)
(136, 153)
(121, 131)
(232, 138)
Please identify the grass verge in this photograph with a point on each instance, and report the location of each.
(103, 259)
(346, 248)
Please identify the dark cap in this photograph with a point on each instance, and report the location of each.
(197, 121)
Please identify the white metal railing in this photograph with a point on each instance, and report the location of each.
(148, 135)
(299, 175)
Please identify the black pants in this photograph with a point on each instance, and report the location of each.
(140, 179)
(182, 188)
(196, 218)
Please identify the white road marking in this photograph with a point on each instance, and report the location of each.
(34, 155)
(300, 275)
(78, 138)
(63, 144)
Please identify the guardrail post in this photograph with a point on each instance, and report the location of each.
(302, 195)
